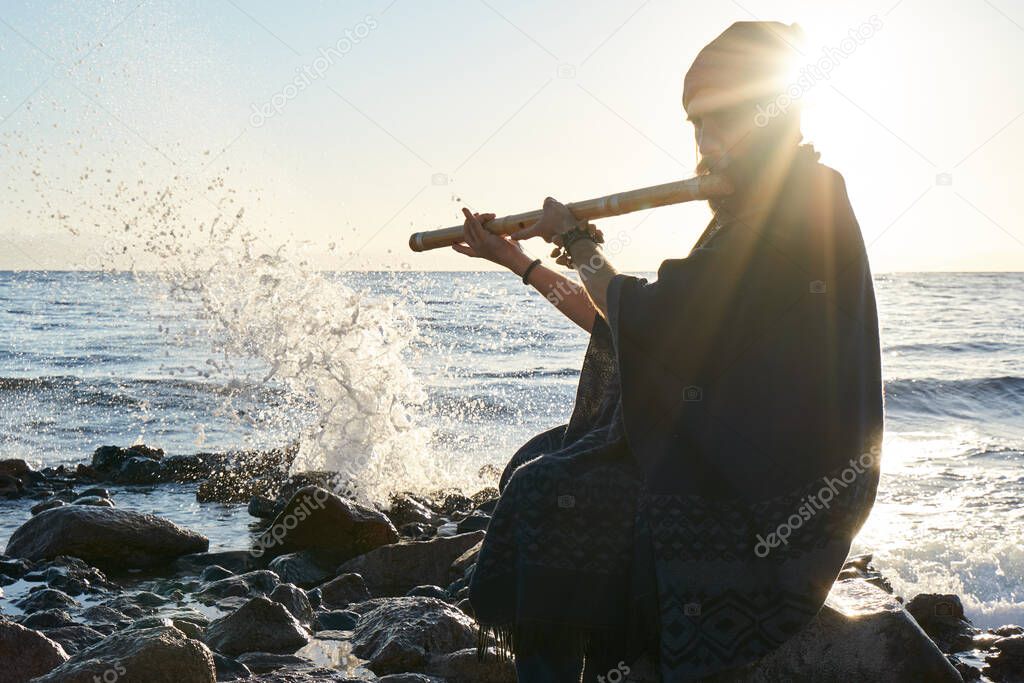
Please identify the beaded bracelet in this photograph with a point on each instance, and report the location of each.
(563, 240)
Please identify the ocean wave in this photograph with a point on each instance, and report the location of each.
(955, 347)
(965, 398)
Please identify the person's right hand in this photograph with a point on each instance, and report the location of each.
(481, 243)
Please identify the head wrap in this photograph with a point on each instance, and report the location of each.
(748, 62)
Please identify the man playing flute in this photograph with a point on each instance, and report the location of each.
(723, 449)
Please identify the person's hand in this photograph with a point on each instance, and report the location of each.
(481, 243)
(557, 219)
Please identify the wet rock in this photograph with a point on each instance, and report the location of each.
(95, 491)
(17, 468)
(10, 487)
(465, 666)
(416, 532)
(344, 590)
(187, 468)
(1008, 662)
(295, 601)
(47, 618)
(139, 470)
(235, 561)
(46, 599)
(302, 569)
(396, 569)
(266, 662)
(861, 634)
(75, 637)
(1003, 631)
(461, 566)
(125, 605)
(476, 521)
(429, 592)
(249, 585)
(214, 572)
(405, 509)
(409, 678)
(25, 654)
(258, 626)
(942, 618)
(104, 537)
(14, 567)
(230, 669)
(47, 504)
(104, 615)
(107, 461)
(333, 528)
(336, 620)
(397, 635)
(263, 507)
(155, 655)
(239, 476)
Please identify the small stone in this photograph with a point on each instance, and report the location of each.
(336, 620)
(295, 601)
(258, 626)
(344, 590)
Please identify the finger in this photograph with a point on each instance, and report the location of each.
(526, 233)
(472, 228)
(464, 249)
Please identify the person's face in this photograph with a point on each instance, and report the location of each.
(721, 134)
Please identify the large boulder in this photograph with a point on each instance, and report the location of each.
(335, 529)
(153, 655)
(861, 634)
(259, 625)
(104, 537)
(396, 635)
(25, 653)
(396, 569)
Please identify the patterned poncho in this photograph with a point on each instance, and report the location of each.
(720, 457)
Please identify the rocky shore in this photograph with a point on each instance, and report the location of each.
(333, 590)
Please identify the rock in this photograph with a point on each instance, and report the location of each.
(465, 666)
(46, 599)
(263, 507)
(405, 509)
(17, 468)
(476, 521)
(14, 567)
(295, 601)
(409, 678)
(101, 615)
(155, 655)
(258, 626)
(429, 592)
(397, 635)
(239, 476)
(104, 537)
(344, 590)
(75, 637)
(336, 620)
(108, 460)
(1008, 663)
(333, 528)
(396, 569)
(235, 561)
(139, 470)
(462, 564)
(10, 487)
(416, 532)
(250, 585)
(25, 653)
(861, 634)
(214, 572)
(230, 669)
(187, 468)
(95, 491)
(48, 618)
(302, 569)
(1003, 631)
(265, 662)
(942, 618)
(48, 504)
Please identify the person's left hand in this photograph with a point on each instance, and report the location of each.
(557, 219)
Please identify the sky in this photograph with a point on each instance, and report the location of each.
(345, 126)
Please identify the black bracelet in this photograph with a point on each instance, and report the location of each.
(529, 269)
